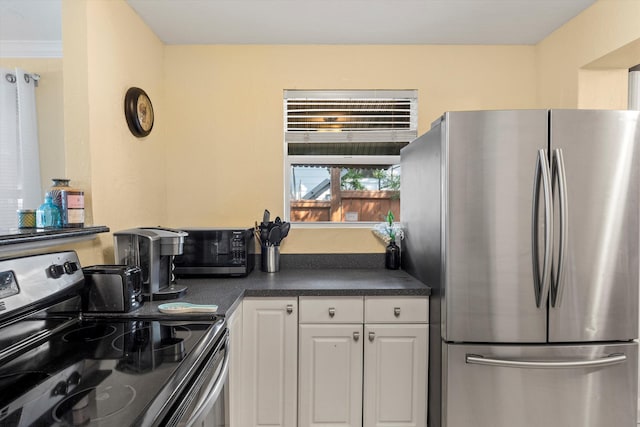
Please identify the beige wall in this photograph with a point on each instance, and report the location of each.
(50, 113)
(107, 50)
(584, 63)
(225, 118)
(215, 156)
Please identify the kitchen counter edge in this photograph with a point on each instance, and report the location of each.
(228, 292)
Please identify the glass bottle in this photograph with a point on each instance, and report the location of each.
(392, 256)
(48, 214)
(56, 188)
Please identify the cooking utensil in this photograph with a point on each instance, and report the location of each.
(284, 230)
(265, 217)
(275, 235)
(186, 307)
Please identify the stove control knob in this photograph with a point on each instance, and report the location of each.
(60, 389)
(74, 378)
(55, 270)
(70, 267)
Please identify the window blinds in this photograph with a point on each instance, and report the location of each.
(367, 122)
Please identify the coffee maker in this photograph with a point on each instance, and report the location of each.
(152, 249)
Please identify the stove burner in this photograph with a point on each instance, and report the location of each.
(162, 339)
(89, 333)
(94, 404)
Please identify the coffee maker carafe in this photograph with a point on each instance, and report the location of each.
(152, 249)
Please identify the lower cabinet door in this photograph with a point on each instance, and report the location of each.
(330, 375)
(395, 375)
(270, 333)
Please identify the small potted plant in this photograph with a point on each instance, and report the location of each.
(390, 231)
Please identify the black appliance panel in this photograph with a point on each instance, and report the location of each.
(216, 252)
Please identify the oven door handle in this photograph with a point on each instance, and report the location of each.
(215, 388)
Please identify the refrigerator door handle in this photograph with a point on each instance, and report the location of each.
(559, 176)
(611, 359)
(541, 282)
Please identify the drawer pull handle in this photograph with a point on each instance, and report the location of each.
(332, 311)
(289, 308)
(396, 311)
(356, 336)
(372, 336)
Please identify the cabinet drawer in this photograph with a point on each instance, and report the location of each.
(391, 309)
(331, 309)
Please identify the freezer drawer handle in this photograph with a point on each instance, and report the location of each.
(611, 359)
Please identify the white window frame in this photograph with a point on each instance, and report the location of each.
(290, 160)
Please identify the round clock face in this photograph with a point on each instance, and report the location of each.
(145, 112)
(138, 111)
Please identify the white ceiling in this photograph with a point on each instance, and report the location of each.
(31, 20)
(318, 21)
(356, 21)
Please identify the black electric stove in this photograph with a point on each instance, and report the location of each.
(59, 368)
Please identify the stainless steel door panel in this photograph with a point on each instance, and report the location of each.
(599, 296)
(504, 396)
(489, 166)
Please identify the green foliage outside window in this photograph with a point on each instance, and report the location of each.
(353, 177)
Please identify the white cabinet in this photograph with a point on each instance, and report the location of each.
(330, 361)
(235, 384)
(363, 361)
(330, 375)
(395, 361)
(395, 375)
(270, 356)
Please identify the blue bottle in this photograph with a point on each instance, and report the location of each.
(48, 214)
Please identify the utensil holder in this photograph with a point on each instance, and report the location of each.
(270, 257)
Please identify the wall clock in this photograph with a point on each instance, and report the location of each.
(138, 112)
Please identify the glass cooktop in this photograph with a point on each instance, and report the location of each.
(96, 372)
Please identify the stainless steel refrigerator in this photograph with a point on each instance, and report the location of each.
(526, 225)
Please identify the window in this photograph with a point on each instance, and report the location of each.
(343, 153)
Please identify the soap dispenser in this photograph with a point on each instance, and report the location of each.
(48, 214)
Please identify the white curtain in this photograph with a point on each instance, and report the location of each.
(20, 186)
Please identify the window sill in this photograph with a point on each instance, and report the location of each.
(17, 240)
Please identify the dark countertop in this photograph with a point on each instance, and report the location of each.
(15, 241)
(12, 236)
(227, 293)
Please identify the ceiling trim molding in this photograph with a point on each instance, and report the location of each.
(30, 49)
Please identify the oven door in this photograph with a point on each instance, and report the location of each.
(204, 403)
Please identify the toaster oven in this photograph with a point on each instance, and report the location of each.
(216, 252)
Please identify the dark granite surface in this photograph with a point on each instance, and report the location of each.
(30, 235)
(227, 293)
